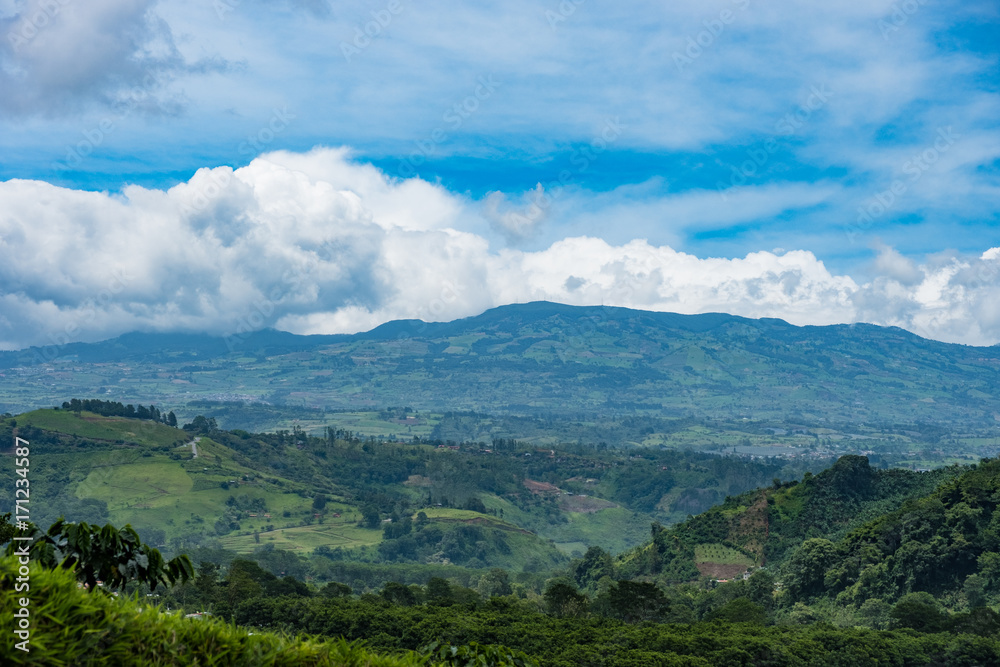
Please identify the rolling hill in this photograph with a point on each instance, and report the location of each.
(506, 504)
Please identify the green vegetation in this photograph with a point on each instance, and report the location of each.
(101, 555)
(631, 624)
(763, 527)
(71, 626)
(341, 498)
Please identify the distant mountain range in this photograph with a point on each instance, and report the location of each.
(540, 358)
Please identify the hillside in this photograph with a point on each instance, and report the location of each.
(542, 357)
(852, 537)
(764, 527)
(945, 543)
(339, 498)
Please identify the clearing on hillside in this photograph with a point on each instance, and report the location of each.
(718, 561)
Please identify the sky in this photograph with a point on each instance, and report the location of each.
(226, 165)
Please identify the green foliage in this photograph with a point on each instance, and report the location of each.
(740, 610)
(201, 425)
(920, 612)
(562, 599)
(633, 601)
(71, 626)
(738, 634)
(475, 655)
(495, 583)
(114, 557)
(944, 544)
(7, 529)
(782, 523)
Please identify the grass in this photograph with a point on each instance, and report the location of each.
(304, 539)
(90, 425)
(140, 485)
(615, 529)
(720, 554)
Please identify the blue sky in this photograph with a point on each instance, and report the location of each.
(859, 139)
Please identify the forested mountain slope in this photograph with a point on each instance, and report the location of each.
(763, 527)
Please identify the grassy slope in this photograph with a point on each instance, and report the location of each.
(97, 427)
(149, 482)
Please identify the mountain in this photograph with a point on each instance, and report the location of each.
(542, 358)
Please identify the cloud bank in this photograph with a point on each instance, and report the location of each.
(317, 243)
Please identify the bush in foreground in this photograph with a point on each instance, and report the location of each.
(71, 626)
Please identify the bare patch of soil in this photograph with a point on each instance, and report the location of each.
(720, 570)
(587, 504)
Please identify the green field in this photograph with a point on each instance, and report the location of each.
(303, 539)
(97, 427)
(720, 554)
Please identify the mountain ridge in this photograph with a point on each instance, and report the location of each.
(525, 358)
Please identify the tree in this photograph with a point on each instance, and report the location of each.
(7, 529)
(336, 590)
(637, 601)
(494, 584)
(370, 517)
(397, 593)
(562, 598)
(596, 563)
(201, 425)
(171, 419)
(919, 611)
(439, 591)
(740, 610)
(114, 557)
(807, 567)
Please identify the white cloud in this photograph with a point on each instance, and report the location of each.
(317, 243)
(61, 56)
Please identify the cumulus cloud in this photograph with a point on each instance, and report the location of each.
(519, 221)
(316, 243)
